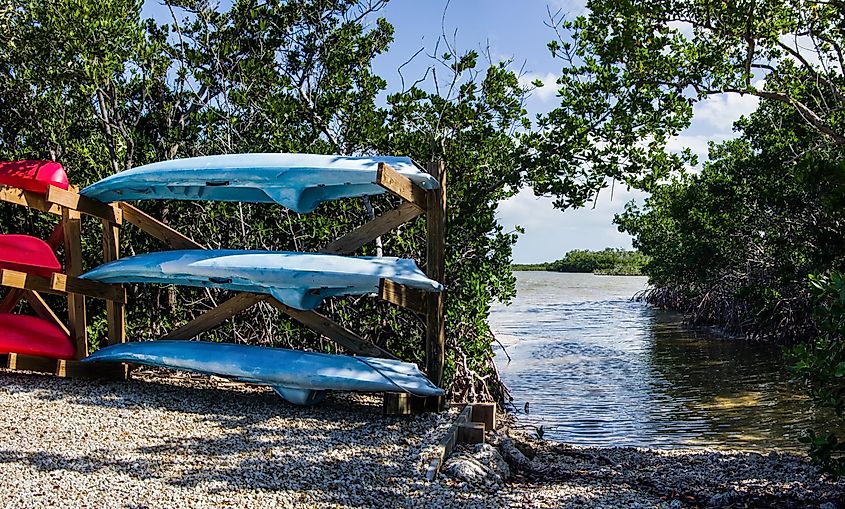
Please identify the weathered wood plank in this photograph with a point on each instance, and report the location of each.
(435, 343)
(485, 413)
(115, 311)
(61, 284)
(447, 443)
(368, 232)
(471, 433)
(69, 369)
(156, 228)
(76, 315)
(76, 369)
(332, 330)
(20, 362)
(28, 199)
(402, 186)
(76, 202)
(403, 296)
(42, 309)
(216, 316)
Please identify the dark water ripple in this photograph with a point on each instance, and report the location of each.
(599, 369)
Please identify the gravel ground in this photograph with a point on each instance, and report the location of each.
(187, 441)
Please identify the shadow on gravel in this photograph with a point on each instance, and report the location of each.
(229, 439)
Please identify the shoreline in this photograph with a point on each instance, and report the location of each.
(192, 441)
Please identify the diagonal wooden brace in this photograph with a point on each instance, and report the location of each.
(332, 330)
(216, 316)
(368, 232)
(156, 228)
(42, 309)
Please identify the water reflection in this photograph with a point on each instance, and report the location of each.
(599, 369)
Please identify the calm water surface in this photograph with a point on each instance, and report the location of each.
(599, 369)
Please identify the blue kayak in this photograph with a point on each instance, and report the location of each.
(299, 280)
(299, 182)
(299, 377)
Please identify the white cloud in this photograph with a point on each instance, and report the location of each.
(698, 143)
(545, 93)
(549, 232)
(722, 110)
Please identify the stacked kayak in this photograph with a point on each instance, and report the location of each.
(30, 335)
(299, 280)
(299, 377)
(299, 182)
(22, 334)
(34, 176)
(28, 254)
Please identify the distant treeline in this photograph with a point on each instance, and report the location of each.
(611, 261)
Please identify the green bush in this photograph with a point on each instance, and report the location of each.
(821, 364)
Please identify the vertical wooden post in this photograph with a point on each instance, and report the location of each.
(115, 311)
(72, 223)
(435, 340)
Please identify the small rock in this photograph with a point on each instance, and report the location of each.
(489, 456)
(721, 499)
(514, 456)
(469, 469)
(676, 504)
(828, 505)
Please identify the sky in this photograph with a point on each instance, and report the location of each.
(516, 30)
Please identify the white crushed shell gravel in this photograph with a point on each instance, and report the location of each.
(190, 441)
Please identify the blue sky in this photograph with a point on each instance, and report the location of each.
(515, 29)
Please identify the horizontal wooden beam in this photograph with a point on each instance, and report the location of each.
(29, 199)
(401, 186)
(83, 204)
(61, 284)
(403, 296)
(69, 369)
(156, 228)
(368, 232)
(216, 316)
(332, 330)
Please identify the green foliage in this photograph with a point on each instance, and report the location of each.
(632, 72)
(93, 85)
(734, 244)
(821, 364)
(610, 261)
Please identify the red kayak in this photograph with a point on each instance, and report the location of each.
(29, 335)
(35, 176)
(28, 254)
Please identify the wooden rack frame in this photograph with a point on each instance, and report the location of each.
(416, 201)
(69, 205)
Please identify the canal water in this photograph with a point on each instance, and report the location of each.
(597, 368)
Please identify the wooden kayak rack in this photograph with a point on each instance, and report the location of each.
(69, 205)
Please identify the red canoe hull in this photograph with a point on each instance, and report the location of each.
(28, 254)
(29, 335)
(35, 176)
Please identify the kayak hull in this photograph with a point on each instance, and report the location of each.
(299, 280)
(29, 335)
(299, 182)
(299, 377)
(31, 175)
(31, 255)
